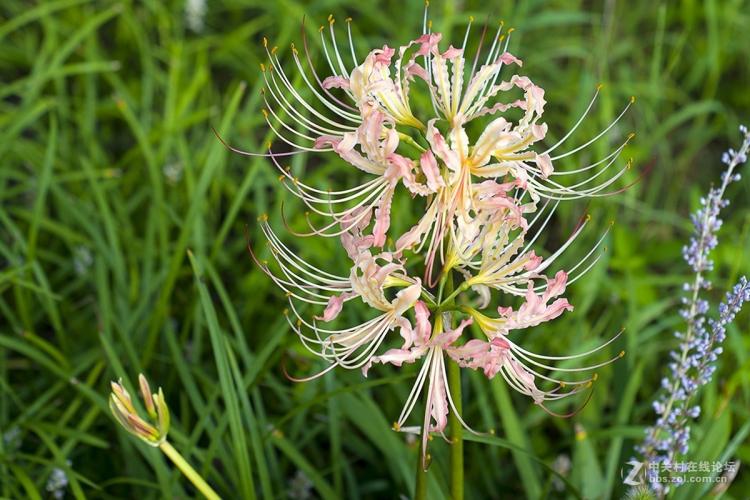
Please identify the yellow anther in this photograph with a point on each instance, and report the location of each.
(471, 19)
(588, 217)
(501, 37)
(589, 384)
(632, 99)
(295, 180)
(501, 22)
(429, 24)
(263, 67)
(631, 135)
(265, 113)
(286, 312)
(562, 384)
(426, 3)
(511, 30)
(580, 434)
(274, 49)
(265, 42)
(611, 223)
(321, 28)
(396, 427)
(622, 353)
(268, 145)
(595, 376)
(599, 86)
(331, 19)
(282, 177)
(492, 432)
(348, 19)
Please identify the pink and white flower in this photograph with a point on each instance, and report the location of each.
(483, 200)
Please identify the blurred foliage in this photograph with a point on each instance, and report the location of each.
(110, 172)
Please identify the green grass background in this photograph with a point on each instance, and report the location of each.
(102, 102)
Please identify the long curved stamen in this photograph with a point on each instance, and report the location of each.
(599, 135)
(456, 413)
(466, 35)
(613, 154)
(574, 356)
(351, 43)
(560, 369)
(344, 71)
(311, 66)
(578, 122)
(250, 153)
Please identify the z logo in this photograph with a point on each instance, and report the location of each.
(632, 478)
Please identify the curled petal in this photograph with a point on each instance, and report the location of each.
(545, 165)
(508, 58)
(428, 43)
(335, 304)
(382, 219)
(431, 171)
(479, 354)
(406, 298)
(336, 82)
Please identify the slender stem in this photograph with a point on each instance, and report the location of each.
(188, 471)
(457, 433)
(420, 491)
(454, 388)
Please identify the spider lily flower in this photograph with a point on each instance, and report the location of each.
(153, 429)
(505, 263)
(369, 277)
(431, 344)
(354, 347)
(485, 201)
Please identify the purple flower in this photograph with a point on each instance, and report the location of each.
(694, 361)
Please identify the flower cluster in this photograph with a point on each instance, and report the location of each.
(693, 362)
(484, 198)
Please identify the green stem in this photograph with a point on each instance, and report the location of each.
(461, 288)
(457, 433)
(420, 490)
(188, 471)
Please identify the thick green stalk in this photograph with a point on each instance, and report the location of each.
(457, 433)
(188, 471)
(420, 490)
(454, 388)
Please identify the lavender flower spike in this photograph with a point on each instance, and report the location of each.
(693, 362)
